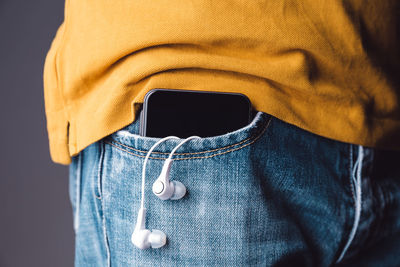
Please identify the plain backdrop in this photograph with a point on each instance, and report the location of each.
(35, 210)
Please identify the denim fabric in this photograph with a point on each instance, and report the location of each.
(268, 194)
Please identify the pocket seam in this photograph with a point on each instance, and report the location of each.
(188, 153)
(97, 183)
(253, 139)
(78, 187)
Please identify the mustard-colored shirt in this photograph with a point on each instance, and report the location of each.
(327, 66)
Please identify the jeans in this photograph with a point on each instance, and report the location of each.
(268, 194)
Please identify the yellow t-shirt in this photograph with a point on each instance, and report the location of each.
(327, 66)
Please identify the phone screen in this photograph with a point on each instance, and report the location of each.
(184, 113)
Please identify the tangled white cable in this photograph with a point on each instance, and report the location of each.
(164, 189)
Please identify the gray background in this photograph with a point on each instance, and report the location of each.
(35, 212)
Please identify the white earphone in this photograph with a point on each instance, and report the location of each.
(144, 238)
(164, 189)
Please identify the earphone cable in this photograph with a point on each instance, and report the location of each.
(180, 144)
(145, 162)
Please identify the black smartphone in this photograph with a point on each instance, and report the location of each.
(184, 113)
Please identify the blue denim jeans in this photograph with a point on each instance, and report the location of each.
(268, 194)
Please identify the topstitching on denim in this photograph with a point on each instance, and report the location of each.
(356, 177)
(254, 131)
(192, 155)
(78, 192)
(97, 183)
(99, 197)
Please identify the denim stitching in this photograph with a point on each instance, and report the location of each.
(97, 193)
(106, 241)
(188, 153)
(350, 181)
(358, 201)
(351, 174)
(255, 138)
(78, 192)
(106, 244)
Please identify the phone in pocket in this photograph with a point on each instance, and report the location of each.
(184, 113)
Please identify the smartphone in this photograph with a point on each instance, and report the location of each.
(184, 113)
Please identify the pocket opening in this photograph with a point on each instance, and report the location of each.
(205, 147)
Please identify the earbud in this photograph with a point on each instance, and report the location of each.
(144, 238)
(166, 189)
(163, 187)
